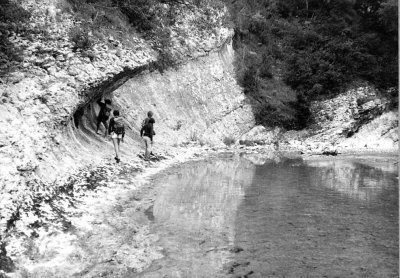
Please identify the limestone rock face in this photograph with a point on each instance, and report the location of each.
(346, 113)
(200, 101)
(356, 120)
(381, 134)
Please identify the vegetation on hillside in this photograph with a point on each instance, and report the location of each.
(316, 47)
(161, 23)
(151, 19)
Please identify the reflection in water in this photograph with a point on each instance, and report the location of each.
(354, 179)
(200, 201)
(248, 216)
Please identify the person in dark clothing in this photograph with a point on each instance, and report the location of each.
(117, 132)
(147, 132)
(104, 114)
(146, 121)
(78, 116)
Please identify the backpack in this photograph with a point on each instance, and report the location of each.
(119, 127)
(107, 112)
(145, 121)
(145, 125)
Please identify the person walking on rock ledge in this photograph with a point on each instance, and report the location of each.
(147, 132)
(117, 132)
(104, 114)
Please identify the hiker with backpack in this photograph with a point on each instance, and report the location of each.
(104, 114)
(147, 133)
(117, 132)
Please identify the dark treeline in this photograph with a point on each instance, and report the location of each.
(317, 47)
(320, 45)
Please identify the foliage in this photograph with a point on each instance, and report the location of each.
(228, 140)
(194, 136)
(154, 19)
(271, 116)
(12, 12)
(178, 125)
(166, 58)
(80, 37)
(321, 47)
(140, 13)
(249, 80)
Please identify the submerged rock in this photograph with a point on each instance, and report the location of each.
(236, 249)
(330, 152)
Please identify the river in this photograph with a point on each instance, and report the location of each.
(249, 215)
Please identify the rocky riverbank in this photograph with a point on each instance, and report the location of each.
(96, 222)
(97, 225)
(74, 230)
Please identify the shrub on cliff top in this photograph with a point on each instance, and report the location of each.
(12, 12)
(229, 140)
(81, 38)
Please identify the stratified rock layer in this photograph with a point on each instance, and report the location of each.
(339, 122)
(200, 101)
(48, 96)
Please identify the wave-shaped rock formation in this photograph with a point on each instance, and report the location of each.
(49, 95)
(199, 101)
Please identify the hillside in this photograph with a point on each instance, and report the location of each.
(313, 50)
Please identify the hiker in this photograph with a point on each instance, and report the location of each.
(117, 132)
(104, 114)
(146, 121)
(147, 132)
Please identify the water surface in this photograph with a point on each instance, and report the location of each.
(250, 215)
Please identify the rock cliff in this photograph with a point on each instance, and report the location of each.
(358, 120)
(49, 94)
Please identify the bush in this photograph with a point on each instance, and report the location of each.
(249, 80)
(229, 140)
(265, 69)
(12, 12)
(13, 15)
(80, 38)
(270, 116)
(302, 114)
(140, 13)
(178, 125)
(193, 136)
